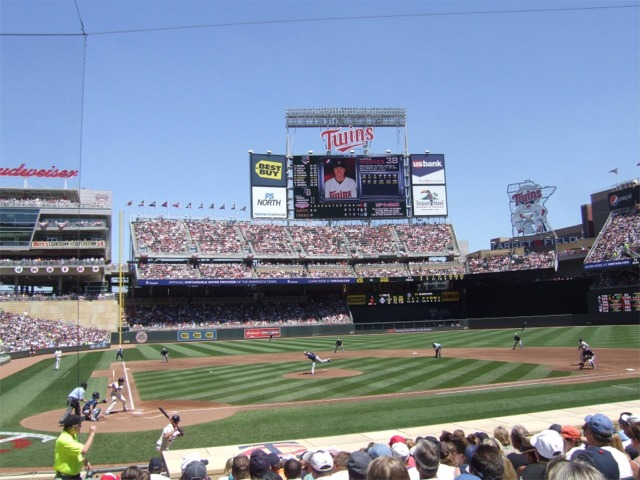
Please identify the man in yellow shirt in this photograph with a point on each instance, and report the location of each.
(69, 452)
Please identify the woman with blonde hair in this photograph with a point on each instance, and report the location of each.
(563, 469)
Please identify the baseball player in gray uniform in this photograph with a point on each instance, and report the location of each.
(315, 358)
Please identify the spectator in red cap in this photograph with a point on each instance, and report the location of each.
(572, 439)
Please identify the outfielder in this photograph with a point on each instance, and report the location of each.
(58, 356)
(116, 394)
(169, 434)
(314, 358)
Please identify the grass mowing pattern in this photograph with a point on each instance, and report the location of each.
(39, 388)
(264, 383)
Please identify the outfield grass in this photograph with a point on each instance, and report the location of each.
(39, 389)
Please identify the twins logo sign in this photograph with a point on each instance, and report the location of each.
(16, 440)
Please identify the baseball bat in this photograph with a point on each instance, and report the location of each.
(164, 412)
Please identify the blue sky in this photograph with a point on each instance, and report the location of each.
(177, 92)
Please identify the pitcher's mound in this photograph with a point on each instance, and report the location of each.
(324, 373)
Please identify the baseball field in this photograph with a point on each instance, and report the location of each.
(253, 391)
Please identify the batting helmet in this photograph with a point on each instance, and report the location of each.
(96, 395)
(175, 418)
(121, 380)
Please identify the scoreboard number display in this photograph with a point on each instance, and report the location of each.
(348, 187)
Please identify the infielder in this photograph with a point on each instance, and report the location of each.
(589, 357)
(58, 356)
(517, 341)
(582, 346)
(339, 345)
(116, 394)
(314, 358)
(165, 354)
(169, 434)
(438, 349)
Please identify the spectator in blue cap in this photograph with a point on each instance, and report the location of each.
(598, 431)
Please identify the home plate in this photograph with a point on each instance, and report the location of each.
(136, 413)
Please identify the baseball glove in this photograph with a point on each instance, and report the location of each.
(104, 400)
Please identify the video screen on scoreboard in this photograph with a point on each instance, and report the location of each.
(363, 186)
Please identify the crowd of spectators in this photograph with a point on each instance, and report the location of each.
(51, 203)
(222, 237)
(510, 262)
(620, 237)
(330, 310)
(20, 332)
(48, 261)
(161, 236)
(595, 450)
(22, 297)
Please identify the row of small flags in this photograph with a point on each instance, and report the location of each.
(177, 205)
(615, 170)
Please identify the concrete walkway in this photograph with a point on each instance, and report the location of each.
(534, 422)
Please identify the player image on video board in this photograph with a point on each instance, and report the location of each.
(339, 183)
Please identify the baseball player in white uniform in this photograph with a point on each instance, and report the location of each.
(169, 434)
(58, 356)
(116, 394)
(340, 187)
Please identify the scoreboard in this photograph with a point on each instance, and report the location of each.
(363, 187)
(619, 302)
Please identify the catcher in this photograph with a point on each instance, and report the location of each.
(169, 434)
(116, 394)
(91, 411)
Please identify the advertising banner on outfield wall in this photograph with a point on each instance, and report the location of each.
(261, 332)
(268, 202)
(429, 200)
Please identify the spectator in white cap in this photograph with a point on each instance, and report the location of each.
(400, 450)
(548, 444)
(598, 431)
(321, 463)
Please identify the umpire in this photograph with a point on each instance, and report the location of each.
(73, 401)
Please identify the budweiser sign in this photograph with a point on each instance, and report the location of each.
(343, 140)
(52, 172)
